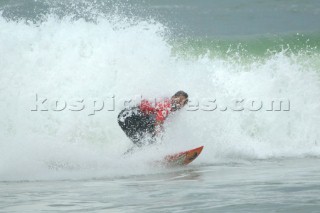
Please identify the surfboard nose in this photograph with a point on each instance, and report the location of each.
(192, 154)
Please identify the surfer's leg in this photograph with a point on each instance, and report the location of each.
(147, 127)
(129, 122)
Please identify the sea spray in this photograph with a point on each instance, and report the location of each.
(67, 58)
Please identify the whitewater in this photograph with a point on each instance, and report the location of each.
(57, 155)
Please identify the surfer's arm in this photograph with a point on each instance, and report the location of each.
(162, 113)
(159, 127)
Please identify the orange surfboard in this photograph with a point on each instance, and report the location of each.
(182, 158)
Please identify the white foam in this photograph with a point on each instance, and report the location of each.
(75, 59)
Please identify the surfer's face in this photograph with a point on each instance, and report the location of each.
(179, 102)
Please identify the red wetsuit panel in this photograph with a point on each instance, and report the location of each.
(160, 108)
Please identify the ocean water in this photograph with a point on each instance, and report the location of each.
(68, 67)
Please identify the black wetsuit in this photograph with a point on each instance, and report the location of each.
(139, 127)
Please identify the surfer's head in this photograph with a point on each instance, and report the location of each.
(179, 100)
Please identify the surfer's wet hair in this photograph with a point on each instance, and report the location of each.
(179, 93)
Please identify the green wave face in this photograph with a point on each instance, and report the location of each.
(302, 48)
(258, 46)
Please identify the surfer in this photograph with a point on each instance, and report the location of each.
(144, 123)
